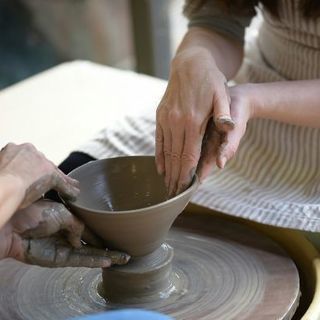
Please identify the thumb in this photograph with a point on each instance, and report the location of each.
(230, 146)
(51, 252)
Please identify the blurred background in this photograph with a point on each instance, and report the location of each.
(140, 35)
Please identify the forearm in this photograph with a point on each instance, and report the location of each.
(294, 102)
(11, 195)
(226, 52)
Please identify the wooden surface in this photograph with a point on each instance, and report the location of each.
(222, 271)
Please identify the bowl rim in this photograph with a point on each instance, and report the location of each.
(194, 185)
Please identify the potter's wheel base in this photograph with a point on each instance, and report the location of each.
(222, 270)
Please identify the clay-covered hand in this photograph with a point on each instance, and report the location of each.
(195, 95)
(34, 174)
(47, 234)
(242, 110)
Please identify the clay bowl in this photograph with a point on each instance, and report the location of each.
(125, 202)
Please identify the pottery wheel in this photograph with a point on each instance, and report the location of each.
(221, 270)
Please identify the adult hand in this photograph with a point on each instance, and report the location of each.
(196, 93)
(47, 234)
(34, 174)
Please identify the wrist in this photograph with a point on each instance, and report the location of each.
(192, 54)
(257, 100)
(246, 94)
(195, 66)
(226, 53)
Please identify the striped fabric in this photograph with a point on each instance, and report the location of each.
(275, 177)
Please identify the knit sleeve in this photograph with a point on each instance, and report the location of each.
(209, 14)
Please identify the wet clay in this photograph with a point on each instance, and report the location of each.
(221, 270)
(119, 184)
(142, 280)
(125, 202)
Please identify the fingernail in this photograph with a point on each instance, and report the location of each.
(118, 258)
(223, 161)
(225, 121)
(122, 259)
(125, 258)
